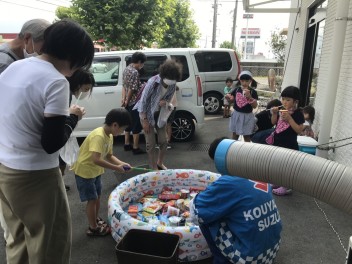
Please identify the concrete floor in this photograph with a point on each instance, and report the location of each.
(307, 237)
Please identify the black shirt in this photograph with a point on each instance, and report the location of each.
(247, 108)
(288, 138)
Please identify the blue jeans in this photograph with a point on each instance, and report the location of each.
(88, 189)
(218, 257)
(260, 136)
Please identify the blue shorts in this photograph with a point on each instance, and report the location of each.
(89, 189)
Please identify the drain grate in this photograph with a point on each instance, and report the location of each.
(199, 147)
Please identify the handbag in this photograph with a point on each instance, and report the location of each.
(69, 152)
(162, 116)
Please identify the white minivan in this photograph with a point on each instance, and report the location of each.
(108, 86)
(204, 74)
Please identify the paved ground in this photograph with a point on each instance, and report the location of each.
(307, 237)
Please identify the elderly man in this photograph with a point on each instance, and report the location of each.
(28, 43)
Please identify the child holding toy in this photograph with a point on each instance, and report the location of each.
(96, 154)
(245, 98)
(289, 124)
(227, 104)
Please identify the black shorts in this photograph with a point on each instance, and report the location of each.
(136, 126)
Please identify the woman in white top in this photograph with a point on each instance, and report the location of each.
(36, 123)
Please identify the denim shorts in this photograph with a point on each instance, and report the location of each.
(89, 189)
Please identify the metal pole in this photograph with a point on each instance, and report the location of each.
(214, 23)
(234, 25)
(245, 42)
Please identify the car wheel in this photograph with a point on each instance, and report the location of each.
(182, 128)
(212, 103)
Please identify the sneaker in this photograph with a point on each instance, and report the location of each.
(157, 147)
(138, 151)
(168, 146)
(127, 147)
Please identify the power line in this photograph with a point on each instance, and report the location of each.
(17, 4)
(37, 8)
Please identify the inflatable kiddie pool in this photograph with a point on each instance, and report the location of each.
(193, 245)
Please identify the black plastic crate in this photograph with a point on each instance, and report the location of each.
(147, 247)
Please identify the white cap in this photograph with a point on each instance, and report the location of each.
(245, 73)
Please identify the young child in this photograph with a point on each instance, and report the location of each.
(227, 104)
(309, 115)
(225, 213)
(289, 123)
(245, 98)
(95, 154)
(264, 125)
(81, 85)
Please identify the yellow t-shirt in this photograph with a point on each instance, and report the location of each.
(97, 141)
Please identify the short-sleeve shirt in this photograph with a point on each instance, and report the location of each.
(29, 88)
(97, 141)
(247, 108)
(131, 82)
(288, 138)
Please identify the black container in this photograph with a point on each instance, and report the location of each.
(147, 247)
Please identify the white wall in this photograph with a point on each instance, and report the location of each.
(342, 120)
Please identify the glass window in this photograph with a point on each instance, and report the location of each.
(183, 61)
(210, 61)
(151, 66)
(106, 71)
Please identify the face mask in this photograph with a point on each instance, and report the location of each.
(28, 55)
(169, 82)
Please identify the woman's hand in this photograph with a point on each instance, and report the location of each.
(162, 103)
(77, 110)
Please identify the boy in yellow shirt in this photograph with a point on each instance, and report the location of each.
(95, 154)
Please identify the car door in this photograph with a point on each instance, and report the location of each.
(106, 94)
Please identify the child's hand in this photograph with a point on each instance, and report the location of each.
(285, 115)
(120, 168)
(246, 93)
(126, 167)
(275, 110)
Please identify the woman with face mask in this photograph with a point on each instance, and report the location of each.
(157, 93)
(81, 86)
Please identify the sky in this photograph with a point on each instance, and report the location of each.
(14, 13)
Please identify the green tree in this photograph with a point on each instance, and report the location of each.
(67, 12)
(181, 30)
(134, 24)
(121, 23)
(228, 45)
(277, 43)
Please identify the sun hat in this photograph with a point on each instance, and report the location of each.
(245, 73)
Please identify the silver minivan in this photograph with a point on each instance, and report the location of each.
(108, 87)
(214, 66)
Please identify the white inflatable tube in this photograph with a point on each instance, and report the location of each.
(193, 245)
(326, 180)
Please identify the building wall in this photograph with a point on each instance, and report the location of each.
(295, 44)
(341, 127)
(342, 122)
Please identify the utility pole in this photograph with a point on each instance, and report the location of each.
(234, 25)
(213, 42)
